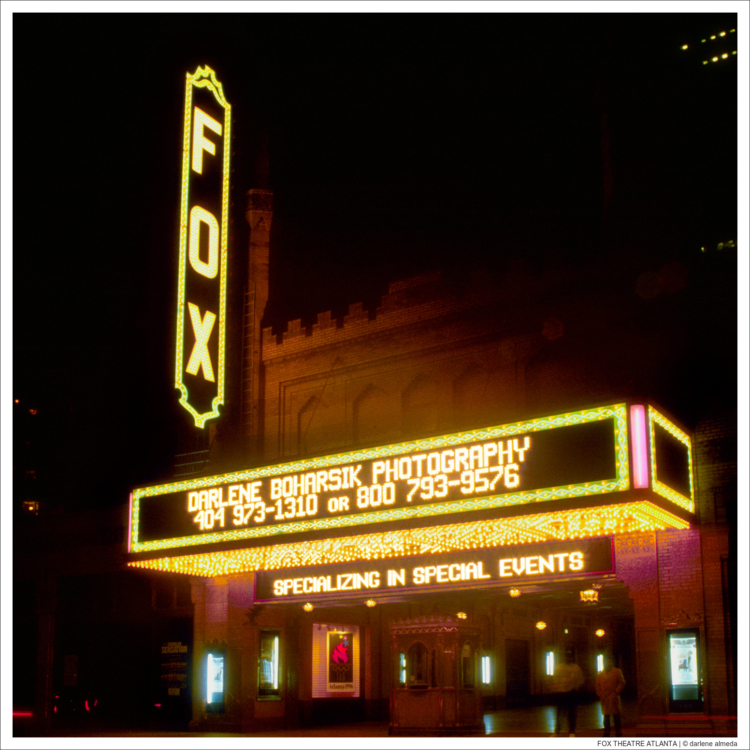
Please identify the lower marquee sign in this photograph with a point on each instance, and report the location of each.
(504, 565)
(567, 455)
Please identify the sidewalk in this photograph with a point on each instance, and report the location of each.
(533, 721)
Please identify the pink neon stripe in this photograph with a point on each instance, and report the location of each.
(130, 521)
(639, 445)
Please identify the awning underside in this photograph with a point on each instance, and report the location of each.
(583, 523)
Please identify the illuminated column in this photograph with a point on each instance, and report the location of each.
(198, 597)
(217, 609)
(681, 597)
(293, 671)
(210, 624)
(637, 566)
(259, 215)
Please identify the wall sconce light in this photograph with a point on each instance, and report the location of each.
(600, 633)
(370, 603)
(308, 607)
(590, 596)
(461, 615)
(515, 593)
(541, 625)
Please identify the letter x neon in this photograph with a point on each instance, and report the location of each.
(199, 357)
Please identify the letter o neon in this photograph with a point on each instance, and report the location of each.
(210, 269)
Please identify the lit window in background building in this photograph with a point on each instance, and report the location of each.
(550, 662)
(600, 662)
(729, 244)
(723, 54)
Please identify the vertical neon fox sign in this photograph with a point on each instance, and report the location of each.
(204, 220)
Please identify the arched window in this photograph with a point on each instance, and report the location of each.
(420, 406)
(321, 422)
(470, 397)
(375, 417)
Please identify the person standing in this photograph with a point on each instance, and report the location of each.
(609, 685)
(568, 679)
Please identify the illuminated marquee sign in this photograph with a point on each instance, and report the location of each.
(506, 565)
(563, 456)
(671, 461)
(204, 221)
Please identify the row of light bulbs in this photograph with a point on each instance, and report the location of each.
(583, 523)
(600, 633)
(309, 607)
(717, 58)
(712, 37)
(588, 596)
(541, 625)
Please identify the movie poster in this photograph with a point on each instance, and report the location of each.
(684, 658)
(340, 662)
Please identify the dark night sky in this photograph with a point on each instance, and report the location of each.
(397, 143)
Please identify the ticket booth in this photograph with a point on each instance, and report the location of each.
(436, 682)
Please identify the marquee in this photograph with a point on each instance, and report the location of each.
(593, 452)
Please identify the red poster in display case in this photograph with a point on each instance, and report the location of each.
(340, 662)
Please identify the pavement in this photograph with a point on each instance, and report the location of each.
(528, 722)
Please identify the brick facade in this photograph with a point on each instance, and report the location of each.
(436, 357)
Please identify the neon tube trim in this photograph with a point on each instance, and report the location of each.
(209, 676)
(130, 521)
(639, 444)
(276, 662)
(619, 483)
(667, 492)
(203, 78)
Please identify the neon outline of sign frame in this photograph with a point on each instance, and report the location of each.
(622, 481)
(202, 78)
(654, 417)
